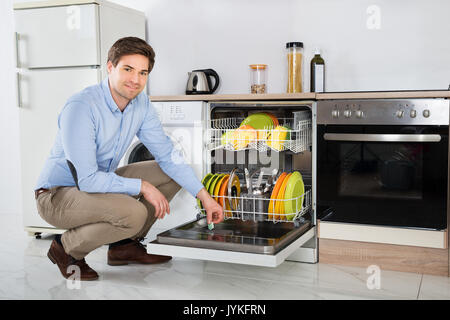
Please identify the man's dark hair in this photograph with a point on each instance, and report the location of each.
(131, 45)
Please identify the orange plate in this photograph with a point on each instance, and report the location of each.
(274, 119)
(217, 187)
(223, 189)
(276, 188)
(279, 206)
(223, 192)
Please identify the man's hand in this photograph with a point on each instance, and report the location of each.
(156, 198)
(214, 212)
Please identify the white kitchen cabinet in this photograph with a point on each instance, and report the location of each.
(64, 36)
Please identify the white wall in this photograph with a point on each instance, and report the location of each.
(410, 50)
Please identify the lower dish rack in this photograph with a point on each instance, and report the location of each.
(262, 208)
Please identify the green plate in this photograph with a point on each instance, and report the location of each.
(204, 181)
(206, 178)
(295, 188)
(208, 183)
(212, 186)
(258, 121)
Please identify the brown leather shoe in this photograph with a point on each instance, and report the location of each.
(58, 256)
(134, 252)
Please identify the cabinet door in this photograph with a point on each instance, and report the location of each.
(42, 97)
(58, 36)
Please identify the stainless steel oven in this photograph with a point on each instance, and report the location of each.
(383, 162)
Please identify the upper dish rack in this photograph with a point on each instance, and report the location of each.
(225, 134)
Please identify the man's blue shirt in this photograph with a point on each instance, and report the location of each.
(94, 135)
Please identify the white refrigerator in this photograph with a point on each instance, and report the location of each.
(61, 48)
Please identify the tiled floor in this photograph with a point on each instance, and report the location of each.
(26, 273)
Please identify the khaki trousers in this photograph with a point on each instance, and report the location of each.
(95, 219)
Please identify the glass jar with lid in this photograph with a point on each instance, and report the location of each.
(295, 67)
(258, 78)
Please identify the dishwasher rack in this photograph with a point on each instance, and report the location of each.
(226, 134)
(262, 208)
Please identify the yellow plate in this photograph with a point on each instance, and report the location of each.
(212, 186)
(235, 192)
(278, 137)
(242, 136)
(279, 206)
(217, 187)
(227, 137)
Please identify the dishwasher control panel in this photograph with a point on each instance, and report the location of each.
(384, 112)
(186, 113)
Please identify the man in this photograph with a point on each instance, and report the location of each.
(80, 188)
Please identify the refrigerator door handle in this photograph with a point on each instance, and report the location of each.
(19, 91)
(17, 50)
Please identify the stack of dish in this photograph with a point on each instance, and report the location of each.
(258, 127)
(285, 202)
(224, 188)
(287, 196)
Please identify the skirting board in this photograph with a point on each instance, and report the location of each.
(381, 234)
(385, 256)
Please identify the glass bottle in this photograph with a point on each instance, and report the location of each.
(295, 67)
(317, 72)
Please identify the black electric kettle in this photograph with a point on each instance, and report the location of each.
(199, 82)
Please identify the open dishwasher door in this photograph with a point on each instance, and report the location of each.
(260, 243)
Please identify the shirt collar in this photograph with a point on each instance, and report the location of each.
(109, 99)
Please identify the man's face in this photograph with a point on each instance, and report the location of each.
(129, 77)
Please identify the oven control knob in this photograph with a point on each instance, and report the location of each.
(335, 113)
(426, 113)
(347, 113)
(400, 113)
(359, 114)
(413, 113)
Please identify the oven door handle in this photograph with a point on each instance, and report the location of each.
(382, 137)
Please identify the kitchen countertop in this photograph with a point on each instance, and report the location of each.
(242, 96)
(308, 96)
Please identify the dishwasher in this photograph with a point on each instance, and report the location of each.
(262, 225)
